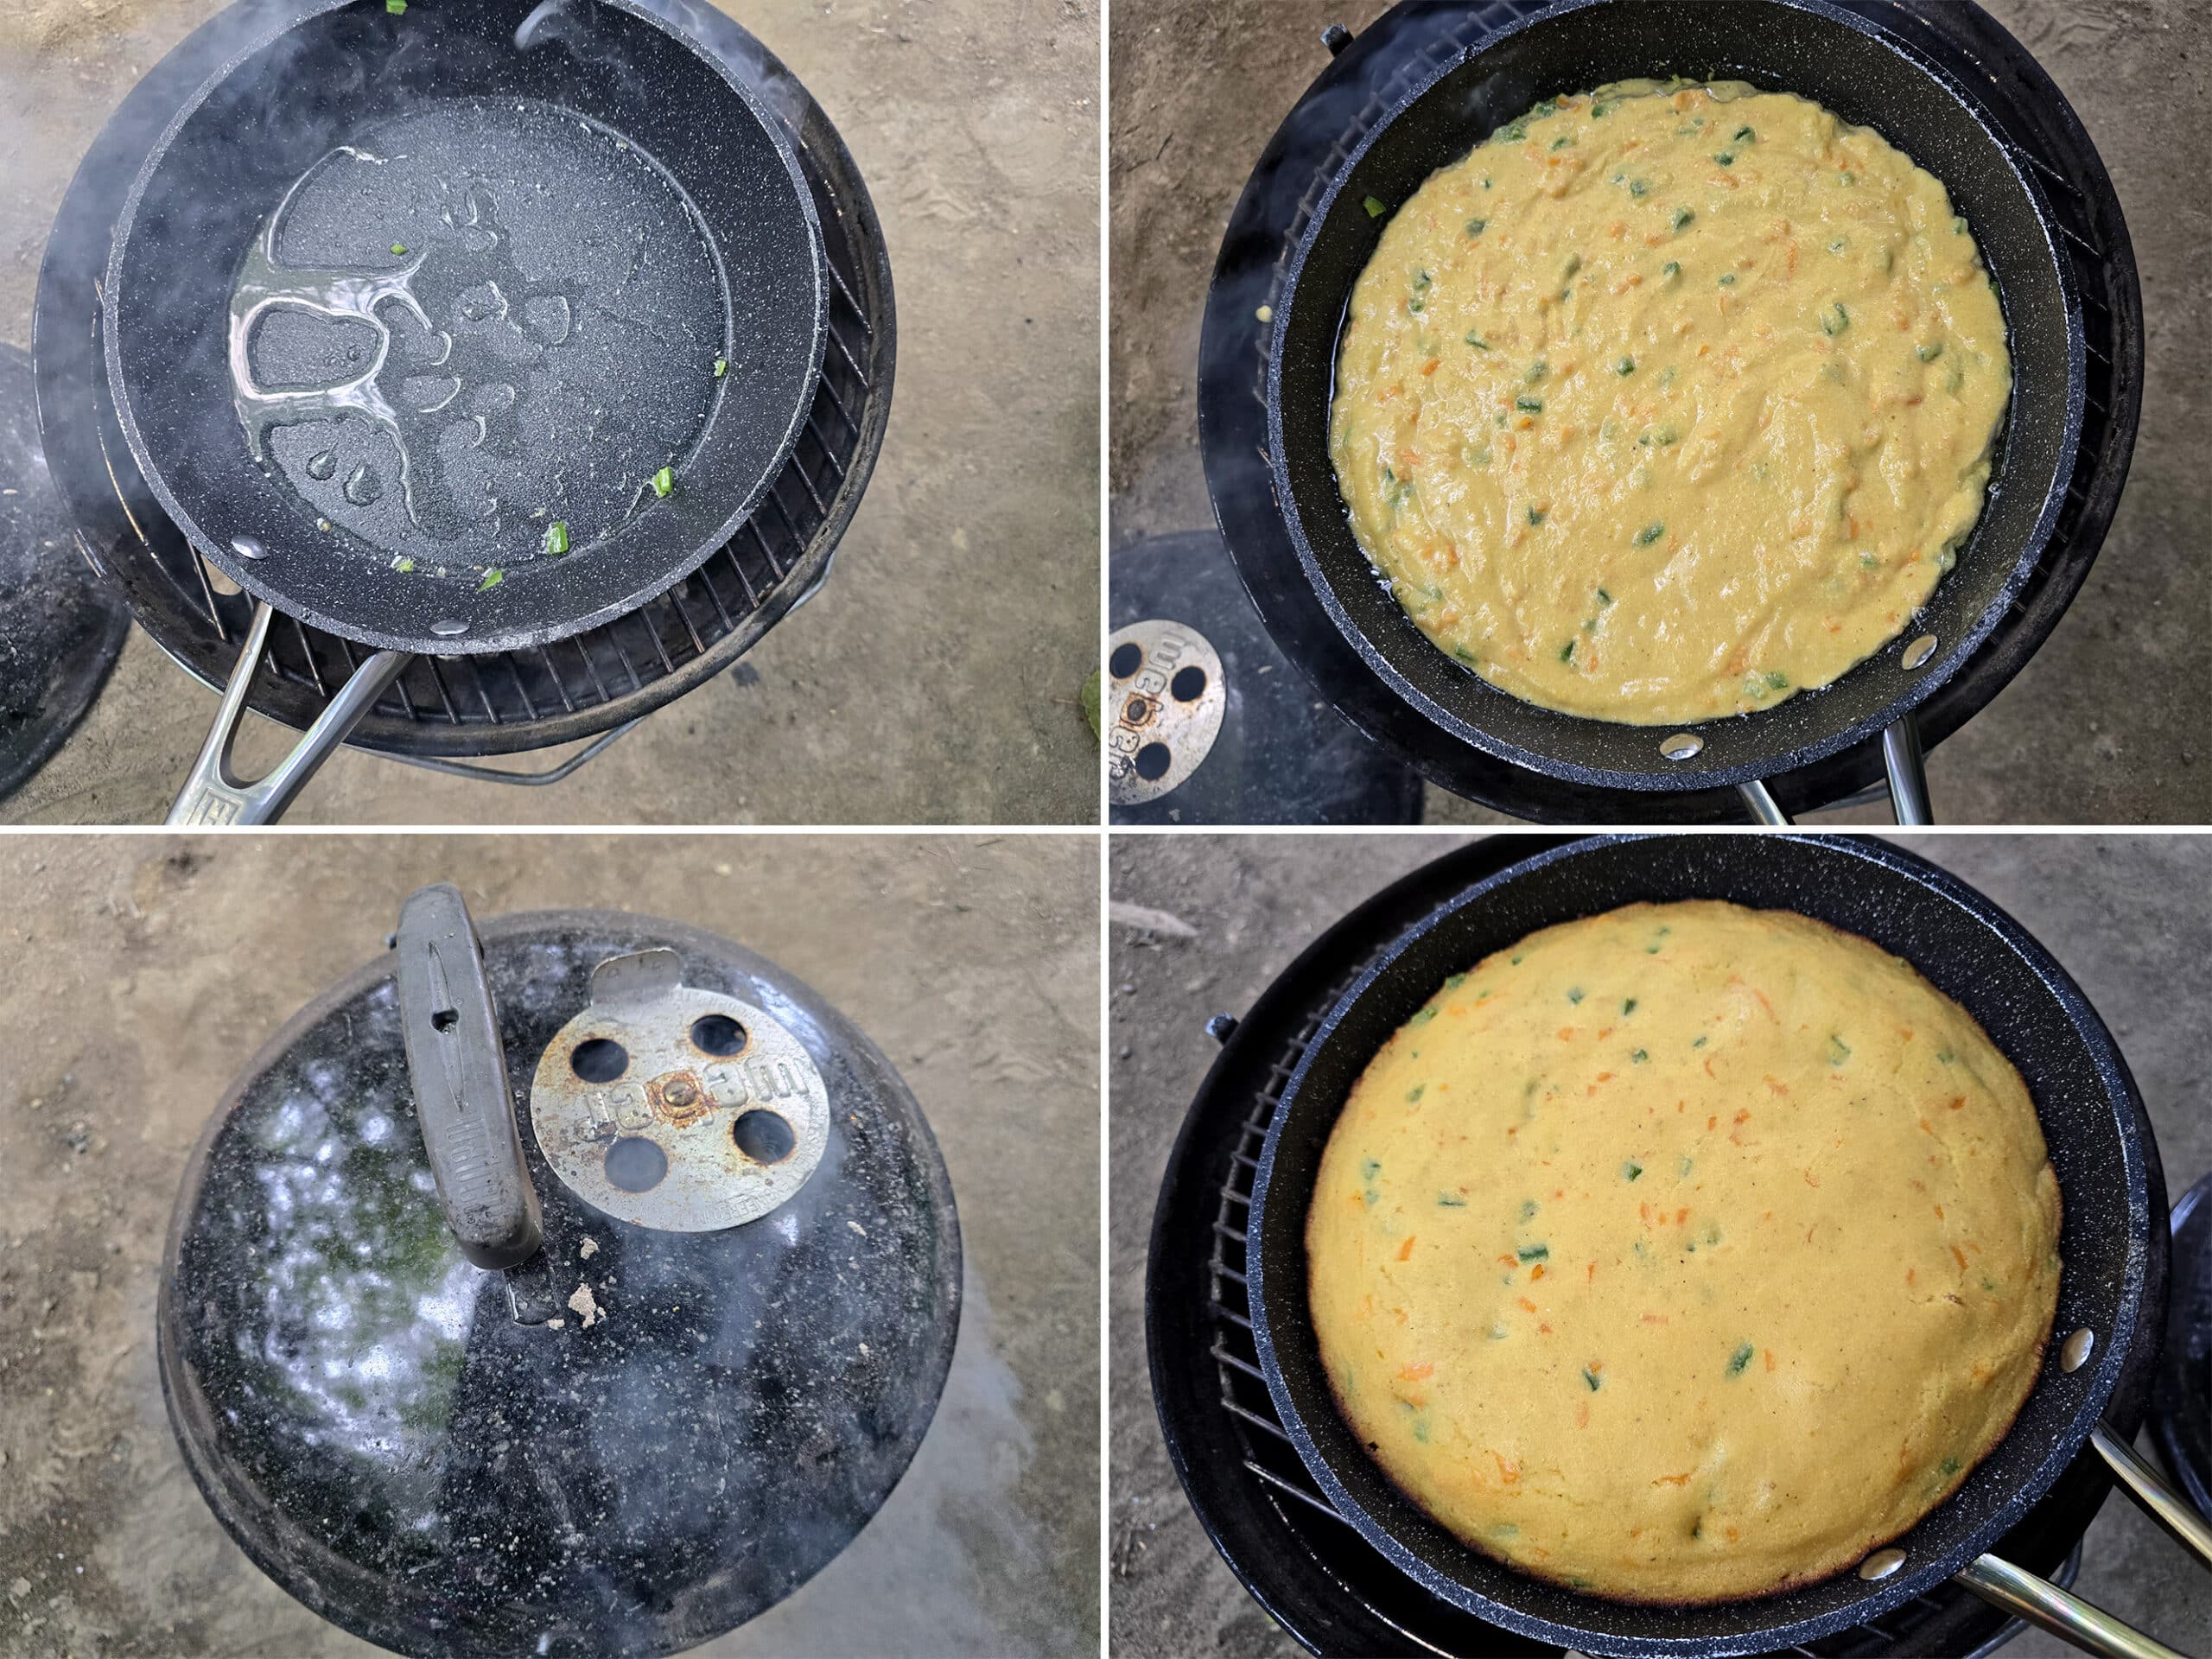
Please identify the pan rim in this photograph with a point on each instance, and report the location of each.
(1696, 774)
(286, 16)
(2112, 1354)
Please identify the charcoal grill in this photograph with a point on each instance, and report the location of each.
(443, 710)
(1370, 78)
(1300, 1560)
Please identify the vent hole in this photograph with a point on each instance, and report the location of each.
(717, 1034)
(1152, 762)
(599, 1059)
(445, 1018)
(763, 1136)
(635, 1164)
(1126, 660)
(1189, 684)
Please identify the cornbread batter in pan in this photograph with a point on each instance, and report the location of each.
(1684, 1252)
(1667, 402)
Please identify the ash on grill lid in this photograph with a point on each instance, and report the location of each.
(61, 627)
(702, 1422)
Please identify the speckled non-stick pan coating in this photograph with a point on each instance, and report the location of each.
(598, 212)
(1806, 47)
(2114, 1241)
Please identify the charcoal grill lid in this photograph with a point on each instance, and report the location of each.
(1281, 754)
(61, 627)
(2181, 1401)
(715, 1417)
(515, 149)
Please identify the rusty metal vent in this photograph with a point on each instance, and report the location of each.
(677, 1108)
(1167, 695)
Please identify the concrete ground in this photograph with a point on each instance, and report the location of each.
(2129, 916)
(2105, 724)
(936, 679)
(144, 971)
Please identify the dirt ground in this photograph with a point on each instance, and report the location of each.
(936, 678)
(144, 973)
(1178, 155)
(2105, 724)
(2129, 916)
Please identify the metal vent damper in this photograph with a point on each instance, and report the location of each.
(609, 1382)
(673, 1107)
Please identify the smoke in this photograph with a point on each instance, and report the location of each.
(951, 1548)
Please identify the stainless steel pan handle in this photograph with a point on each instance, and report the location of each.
(1902, 759)
(2145, 1485)
(2067, 1616)
(1763, 807)
(2059, 1611)
(214, 795)
(1907, 766)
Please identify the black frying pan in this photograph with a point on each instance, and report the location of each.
(2114, 1240)
(397, 294)
(1818, 51)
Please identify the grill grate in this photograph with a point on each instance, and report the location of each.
(502, 702)
(1272, 1460)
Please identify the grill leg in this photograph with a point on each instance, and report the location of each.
(525, 779)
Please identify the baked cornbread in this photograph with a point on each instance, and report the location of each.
(1668, 401)
(1684, 1252)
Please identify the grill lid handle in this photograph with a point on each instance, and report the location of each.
(457, 1066)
